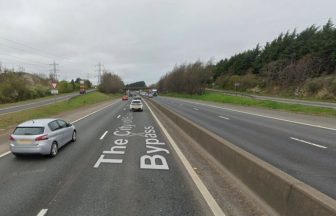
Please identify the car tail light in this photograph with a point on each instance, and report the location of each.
(43, 137)
(11, 138)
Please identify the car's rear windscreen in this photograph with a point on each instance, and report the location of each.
(136, 102)
(28, 130)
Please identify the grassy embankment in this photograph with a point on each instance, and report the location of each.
(243, 101)
(11, 119)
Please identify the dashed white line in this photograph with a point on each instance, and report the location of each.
(213, 205)
(4, 154)
(102, 137)
(118, 116)
(264, 116)
(195, 109)
(223, 117)
(124, 109)
(42, 212)
(309, 143)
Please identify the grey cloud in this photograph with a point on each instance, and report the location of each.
(143, 39)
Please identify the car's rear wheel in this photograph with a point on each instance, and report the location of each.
(54, 149)
(74, 136)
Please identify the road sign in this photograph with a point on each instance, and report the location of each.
(54, 85)
(54, 91)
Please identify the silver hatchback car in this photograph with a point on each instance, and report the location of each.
(41, 136)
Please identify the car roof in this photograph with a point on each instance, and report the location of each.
(36, 122)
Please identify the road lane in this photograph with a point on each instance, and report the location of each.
(126, 187)
(39, 103)
(70, 185)
(270, 140)
(32, 182)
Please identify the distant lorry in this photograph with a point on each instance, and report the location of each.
(154, 92)
(82, 87)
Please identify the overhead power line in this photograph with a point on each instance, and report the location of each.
(24, 62)
(39, 52)
(23, 59)
(29, 47)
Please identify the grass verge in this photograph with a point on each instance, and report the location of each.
(5, 105)
(11, 119)
(243, 101)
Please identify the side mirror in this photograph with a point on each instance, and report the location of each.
(68, 125)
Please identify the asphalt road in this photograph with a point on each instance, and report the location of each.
(103, 172)
(283, 100)
(305, 152)
(39, 103)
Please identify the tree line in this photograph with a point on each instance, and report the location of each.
(288, 48)
(300, 64)
(187, 78)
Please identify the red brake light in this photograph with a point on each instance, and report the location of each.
(43, 137)
(11, 138)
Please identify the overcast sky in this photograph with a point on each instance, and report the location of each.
(143, 39)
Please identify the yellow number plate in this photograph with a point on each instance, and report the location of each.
(24, 142)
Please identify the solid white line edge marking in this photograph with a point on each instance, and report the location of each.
(309, 143)
(42, 212)
(223, 117)
(102, 137)
(6, 153)
(92, 113)
(198, 182)
(270, 117)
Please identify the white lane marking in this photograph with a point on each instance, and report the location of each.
(198, 182)
(124, 109)
(195, 109)
(92, 113)
(118, 116)
(4, 154)
(42, 212)
(264, 116)
(102, 137)
(223, 117)
(309, 143)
